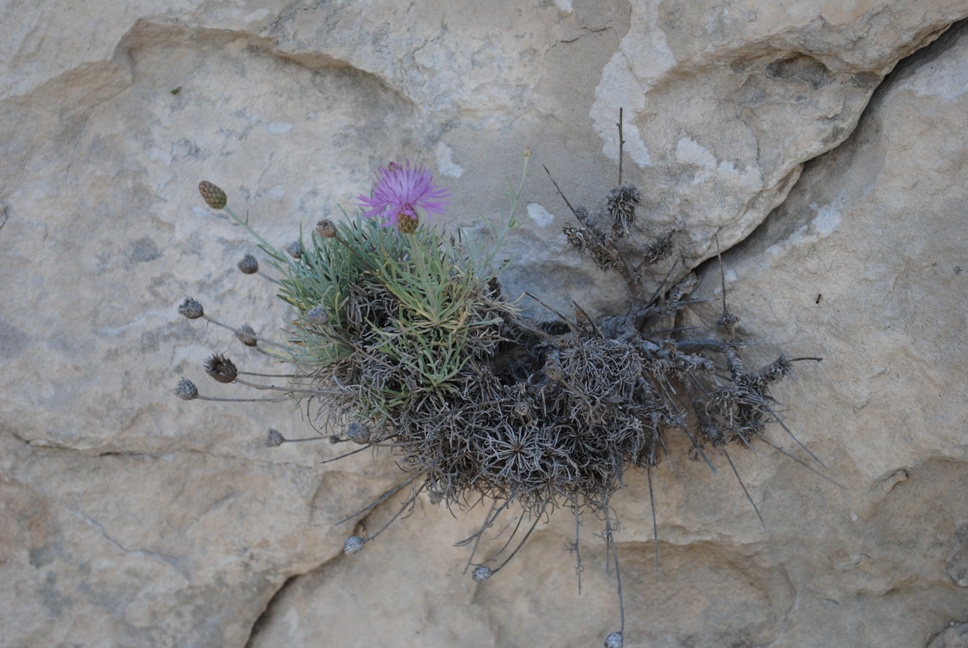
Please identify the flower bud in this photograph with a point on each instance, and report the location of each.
(248, 265)
(318, 315)
(353, 545)
(186, 390)
(614, 640)
(295, 250)
(326, 228)
(214, 197)
(221, 369)
(191, 308)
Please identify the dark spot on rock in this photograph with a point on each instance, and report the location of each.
(800, 68)
(13, 341)
(144, 250)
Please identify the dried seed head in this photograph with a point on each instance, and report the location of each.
(353, 545)
(481, 573)
(274, 438)
(326, 228)
(186, 390)
(658, 249)
(727, 320)
(246, 336)
(318, 315)
(358, 433)
(576, 236)
(214, 197)
(191, 308)
(295, 250)
(248, 265)
(621, 204)
(614, 640)
(221, 368)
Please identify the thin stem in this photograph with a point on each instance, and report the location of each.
(655, 524)
(743, 486)
(610, 540)
(621, 146)
(382, 498)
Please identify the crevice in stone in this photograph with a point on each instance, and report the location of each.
(265, 617)
(779, 225)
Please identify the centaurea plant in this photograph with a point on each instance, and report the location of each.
(403, 337)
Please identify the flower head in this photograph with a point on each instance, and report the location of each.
(400, 192)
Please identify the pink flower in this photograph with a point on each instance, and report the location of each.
(399, 192)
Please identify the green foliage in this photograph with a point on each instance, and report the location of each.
(395, 315)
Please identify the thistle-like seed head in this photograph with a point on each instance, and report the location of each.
(353, 545)
(358, 433)
(246, 336)
(326, 228)
(214, 197)
(221, 368)
(248, 265)
(481, 573)
(191, 308)
(274, 439)
(614, 640)
(186, 390)
(621, 204)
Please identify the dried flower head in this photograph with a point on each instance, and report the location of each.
(214, 197)
(274, 439)
(186, 390)
(326, 228)
(621, 204)
(221, 368)
(191, 308)
(614, 640)
(246, 335)
(658, 249)
(400, 192)
(481, 573)
(248, 265)
(358, 433)
(353, 545)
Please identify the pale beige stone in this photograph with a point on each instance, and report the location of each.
(130, 517)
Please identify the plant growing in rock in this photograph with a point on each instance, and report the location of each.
(401, 334)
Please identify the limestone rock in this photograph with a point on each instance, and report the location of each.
(133, 518)
(954, 637)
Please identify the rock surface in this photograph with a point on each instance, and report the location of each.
(821, 143)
